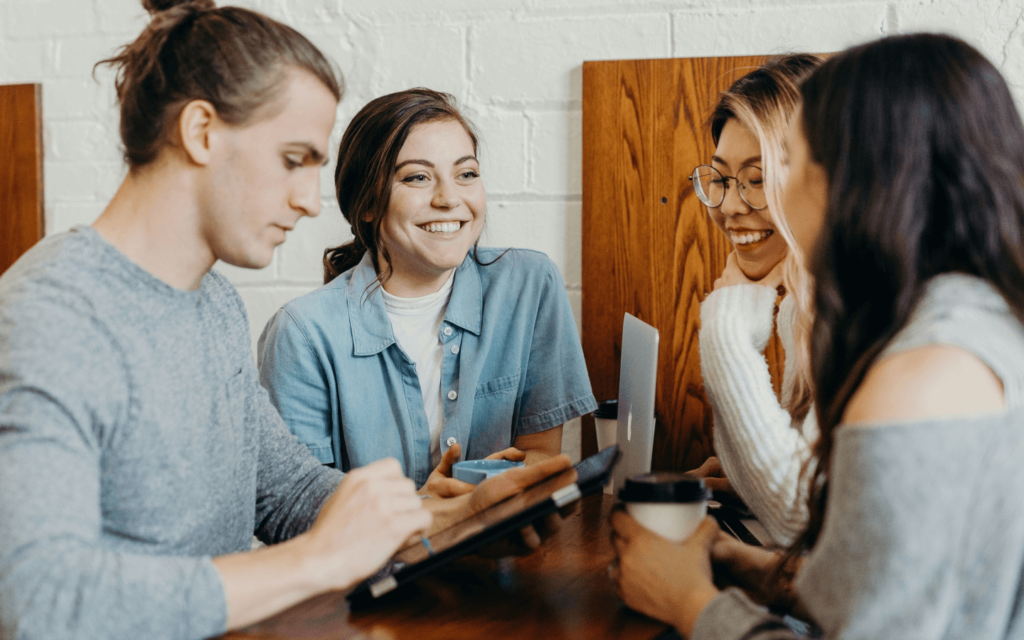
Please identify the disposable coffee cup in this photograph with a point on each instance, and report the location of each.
(607, 424)
(606, 421)
(669, 504)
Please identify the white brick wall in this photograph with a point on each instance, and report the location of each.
(515, 65)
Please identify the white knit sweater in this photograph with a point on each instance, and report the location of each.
(761, 450)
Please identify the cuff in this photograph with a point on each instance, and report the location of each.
(554, 417)
(733, 615)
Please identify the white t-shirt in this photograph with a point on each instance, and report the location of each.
(417, 326)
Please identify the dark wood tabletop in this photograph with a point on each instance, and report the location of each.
(560, 591)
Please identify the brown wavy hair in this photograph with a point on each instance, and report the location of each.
(233, 58)
(924, 153)
(366, 166)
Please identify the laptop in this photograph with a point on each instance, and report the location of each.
(638, 377)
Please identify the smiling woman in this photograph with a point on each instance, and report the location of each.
(420, 345)
(761, 442)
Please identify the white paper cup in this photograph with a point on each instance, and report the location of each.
(606, 432)
(677, 522)
(669, 504)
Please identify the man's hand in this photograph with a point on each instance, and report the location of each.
(372, 513)
(441, 484)
(665, 580)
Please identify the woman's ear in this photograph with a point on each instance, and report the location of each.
(195, 125)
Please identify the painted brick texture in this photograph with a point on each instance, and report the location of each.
(514, 64)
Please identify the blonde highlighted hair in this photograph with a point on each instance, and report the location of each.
(764, 101)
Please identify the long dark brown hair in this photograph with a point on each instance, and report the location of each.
(233, 58)
(924, 153)
(366, 166)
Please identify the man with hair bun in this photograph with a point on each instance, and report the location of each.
(138, 452)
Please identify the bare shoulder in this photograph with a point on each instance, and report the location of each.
(935, 381)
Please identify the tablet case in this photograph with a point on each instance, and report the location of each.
(591, 473)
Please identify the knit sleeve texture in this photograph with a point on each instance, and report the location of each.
(760, 449)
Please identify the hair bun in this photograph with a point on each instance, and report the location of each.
(156, 6)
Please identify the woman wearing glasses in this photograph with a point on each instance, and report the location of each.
(904, 192)
(760, 443)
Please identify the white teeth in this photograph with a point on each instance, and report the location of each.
(442, 227)
(749, 237)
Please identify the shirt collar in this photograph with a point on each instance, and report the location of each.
(371, 327)
(465, 309)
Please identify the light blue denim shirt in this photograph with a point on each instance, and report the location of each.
(512, 365)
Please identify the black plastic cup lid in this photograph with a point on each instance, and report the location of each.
(607, 410)
(664, 487)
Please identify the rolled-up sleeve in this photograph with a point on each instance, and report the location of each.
(556, 388)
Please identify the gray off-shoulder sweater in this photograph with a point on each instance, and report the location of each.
(924, 533)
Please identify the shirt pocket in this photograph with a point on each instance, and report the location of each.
(493, 408)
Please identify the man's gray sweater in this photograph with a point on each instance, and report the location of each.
(135, 444)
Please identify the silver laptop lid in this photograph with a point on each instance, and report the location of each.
(638, 376)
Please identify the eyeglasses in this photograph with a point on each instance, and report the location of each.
(710, 186)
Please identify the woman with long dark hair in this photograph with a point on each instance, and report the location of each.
(905, 188)
(420, 345)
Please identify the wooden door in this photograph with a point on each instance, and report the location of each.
(649, 247)
(21, 171)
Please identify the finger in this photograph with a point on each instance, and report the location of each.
(706, 533)
(450, 457)
(515, 480)
(718, 484)
(450, 487)
(512, 454)
(412, 523)
(625, 526)
(384, 468)
(530, 537)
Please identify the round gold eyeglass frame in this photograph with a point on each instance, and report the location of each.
(710, 186)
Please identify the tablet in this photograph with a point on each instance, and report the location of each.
(491, 524)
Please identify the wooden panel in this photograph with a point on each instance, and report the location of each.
(649, 247)
(21, 171)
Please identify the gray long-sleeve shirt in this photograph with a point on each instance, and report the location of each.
(924, 530)
(135, 444)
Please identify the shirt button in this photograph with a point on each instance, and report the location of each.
(450, 441)
(447, 331)
(452, 395)
(455, 348)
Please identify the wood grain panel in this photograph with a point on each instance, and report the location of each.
(649, 247)
(21, 171)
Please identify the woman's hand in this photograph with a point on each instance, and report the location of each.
(753, 569)
(369, 516)
(441, 484)
(665, 580)
(714, 476)
(492, 491)
(732, 275)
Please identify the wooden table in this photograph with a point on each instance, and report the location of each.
(560, 591)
